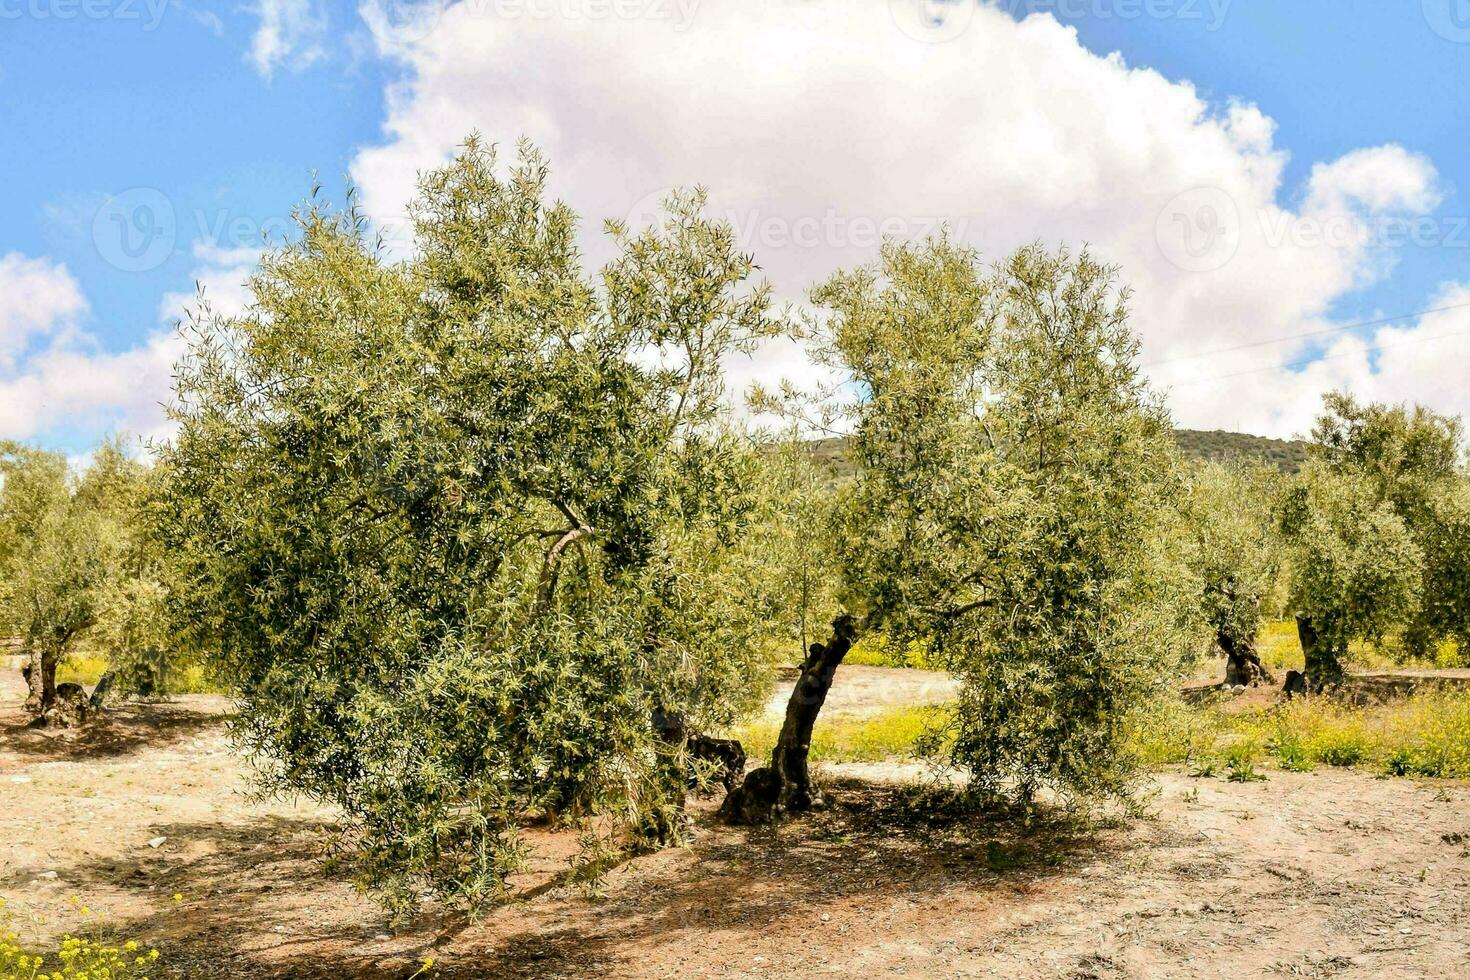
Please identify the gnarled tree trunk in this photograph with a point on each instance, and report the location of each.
(1322, 665)
(681, 749)
(1242, 664)
(40, 675)
(785, 786)
(662, 822)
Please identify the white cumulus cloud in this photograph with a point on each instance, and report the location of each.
(820, 125)
(64, 384)
(38, 298)
(289, 33)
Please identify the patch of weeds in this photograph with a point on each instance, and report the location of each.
(1341, 749)
(1240, 762)
(1291, 751)
(74, 958)
(1425, 734)
(1169, 732)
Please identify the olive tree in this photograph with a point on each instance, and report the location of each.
(62, 538)
(1356, 569)
(468, 530)
(1012, 475)
(135, 623)
(1231, 546)
(1446, 544)
(795, 538)
(1412, 460)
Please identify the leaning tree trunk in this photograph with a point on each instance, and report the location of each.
(100, 693)
(785, 786)
(1321, 665)
(1242, 664)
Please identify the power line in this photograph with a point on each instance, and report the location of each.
(1304, 336)
(1308, 362)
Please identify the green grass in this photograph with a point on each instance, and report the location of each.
(879, 651)
(1426, 734)
(888, 735)
(87, 669)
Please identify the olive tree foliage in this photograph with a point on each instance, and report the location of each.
(461, 526)
(1355, 568)
(65, 546)
(1413, 461)
(1013, 476)
(1446, 545)
(1077, 615)
(1231, 546)
(795, 540)
(135, 625)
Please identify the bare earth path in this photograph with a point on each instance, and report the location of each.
(1333, 873)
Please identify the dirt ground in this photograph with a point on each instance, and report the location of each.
(1332, 873)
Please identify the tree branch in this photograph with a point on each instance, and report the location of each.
(550, 567)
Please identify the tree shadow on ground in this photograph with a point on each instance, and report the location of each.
(259, 904)
(118, 731)
(873, 844)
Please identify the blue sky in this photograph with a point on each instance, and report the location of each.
(200, 124)
(1335, 75)
(95, 106)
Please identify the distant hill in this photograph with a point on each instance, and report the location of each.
(1286, 455)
